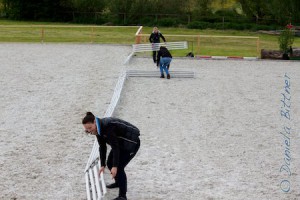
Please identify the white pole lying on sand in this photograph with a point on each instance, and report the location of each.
(103, 185)
(87, 185)
(174, 74)
(97, 182)
(92, 184)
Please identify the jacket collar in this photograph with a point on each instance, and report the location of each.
(98, 126)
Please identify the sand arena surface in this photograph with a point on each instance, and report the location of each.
(221, 135)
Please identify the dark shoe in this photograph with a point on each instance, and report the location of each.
(168, 76)
(162, 76)
(154, 61)
(113, 185)
(120, 198)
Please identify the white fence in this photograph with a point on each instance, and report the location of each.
(155, 47)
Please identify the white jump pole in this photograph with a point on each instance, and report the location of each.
(97, 182)
(92, 184)
(87, 185)
(103, 185)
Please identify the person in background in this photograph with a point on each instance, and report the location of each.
(164, 59)
(154, 39)
(123, 138)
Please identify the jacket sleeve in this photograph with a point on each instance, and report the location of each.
(162, 37)
(102, 151)
(114, 143)
(151, 38)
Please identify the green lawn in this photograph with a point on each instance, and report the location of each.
(201, 42)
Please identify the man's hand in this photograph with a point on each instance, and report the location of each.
(113, 172)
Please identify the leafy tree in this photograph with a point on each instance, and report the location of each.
(31, 9)
(88, 5)
(254, 8)
(120, 8)
(201, 8)
(136, 11)
(285, 11)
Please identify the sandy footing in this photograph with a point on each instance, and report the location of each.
(232, 132)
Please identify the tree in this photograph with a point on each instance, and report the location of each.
(255, 8)
(201, 8)
(31, 9)
(285, 11)
(120, 8)
(88, 5)
(282, 11)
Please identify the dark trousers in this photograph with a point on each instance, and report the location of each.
(154, 46)
(154, 55)
(124, 158)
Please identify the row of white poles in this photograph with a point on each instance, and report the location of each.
(95, 185)
(156, 73)
(156, 46)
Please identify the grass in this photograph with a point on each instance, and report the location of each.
(53, 32)
(20, 31)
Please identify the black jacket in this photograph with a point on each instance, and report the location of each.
(155, 37)
(163, 52)
(120, 135)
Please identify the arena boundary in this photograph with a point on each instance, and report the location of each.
(226, 57)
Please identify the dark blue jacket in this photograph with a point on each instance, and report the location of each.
(120, 135)
(155, 37)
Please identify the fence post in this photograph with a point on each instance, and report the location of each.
(138, 35)
(92, 35)
(198, 45)
(42, 35)
(258, 47)
(138, 39)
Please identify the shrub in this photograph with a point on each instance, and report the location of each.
(147, 21)
(198, 25)
(167, 22)
(286, 39)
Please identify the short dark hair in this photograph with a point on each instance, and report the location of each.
(89, 118)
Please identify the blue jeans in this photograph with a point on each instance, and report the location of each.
(164, 62)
